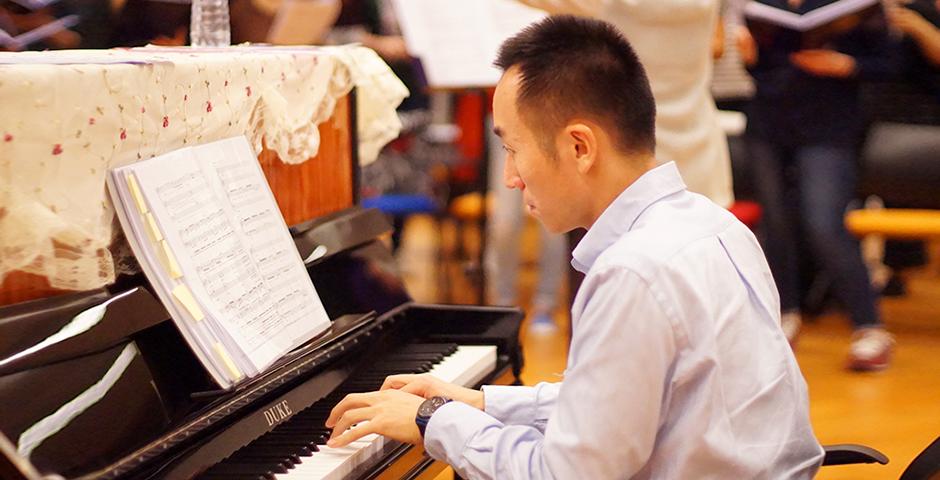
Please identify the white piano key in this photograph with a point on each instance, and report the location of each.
(467, 366)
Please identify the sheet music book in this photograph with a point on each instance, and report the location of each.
(457, 40)
(756, 11)
(208, 234)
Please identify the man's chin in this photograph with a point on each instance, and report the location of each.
(552, 227)
(556, 230)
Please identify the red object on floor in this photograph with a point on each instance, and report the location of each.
(749, 213)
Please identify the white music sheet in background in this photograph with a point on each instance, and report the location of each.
(457, 40)
(218, 215)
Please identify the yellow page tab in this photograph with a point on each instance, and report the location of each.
(185, 298)
(227, 360)
(152, 228)
(137, 194)
(169, 260)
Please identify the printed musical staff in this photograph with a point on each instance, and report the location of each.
(215, 212)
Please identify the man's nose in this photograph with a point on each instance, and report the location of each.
(511, 178)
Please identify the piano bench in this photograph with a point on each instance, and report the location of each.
(894, 223)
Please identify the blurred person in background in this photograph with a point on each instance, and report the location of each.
(16, 19)
(901, 166)
(414, 164)
(505, 226)
(805, 126)
(919, 20)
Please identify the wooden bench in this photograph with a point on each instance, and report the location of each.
(894, 223)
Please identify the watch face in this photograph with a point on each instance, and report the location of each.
(430, 405)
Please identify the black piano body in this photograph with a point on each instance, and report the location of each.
(101, 384)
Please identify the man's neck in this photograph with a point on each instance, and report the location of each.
(609, 181)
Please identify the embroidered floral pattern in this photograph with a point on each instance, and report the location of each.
(165, 97)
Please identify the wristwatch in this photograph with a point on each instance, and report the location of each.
(426, 409)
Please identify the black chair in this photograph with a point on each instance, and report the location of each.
(926, 466)
(850, 453)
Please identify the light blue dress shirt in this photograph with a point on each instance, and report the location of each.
(678, 367)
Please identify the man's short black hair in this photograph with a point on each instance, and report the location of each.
(578, 67)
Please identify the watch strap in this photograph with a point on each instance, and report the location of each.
(426, 409)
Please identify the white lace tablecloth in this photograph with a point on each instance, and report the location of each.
(66, 117)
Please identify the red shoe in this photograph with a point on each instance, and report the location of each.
(871, 350)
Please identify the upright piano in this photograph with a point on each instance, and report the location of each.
(101, 384)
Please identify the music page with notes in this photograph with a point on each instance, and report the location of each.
(208, 233)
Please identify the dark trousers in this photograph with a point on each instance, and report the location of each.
(804, 192)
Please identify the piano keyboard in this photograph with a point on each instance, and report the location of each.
(296, 449)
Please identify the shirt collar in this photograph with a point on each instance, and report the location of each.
(619, 217)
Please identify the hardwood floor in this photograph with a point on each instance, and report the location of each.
(896, 411)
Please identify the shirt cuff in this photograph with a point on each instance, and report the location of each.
(512, 405)
(451, 427)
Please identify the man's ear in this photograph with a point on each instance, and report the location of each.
(579, 144)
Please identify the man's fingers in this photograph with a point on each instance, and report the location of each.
(397, 381)
(415, 388)
(353, 400)
(409, 383)
(352, 417)
(352, 435)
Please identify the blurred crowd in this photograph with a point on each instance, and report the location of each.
(846, 112)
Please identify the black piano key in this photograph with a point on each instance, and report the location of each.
(446, 348)
(249, 468)
(235, 476)
(279, 459)
(237, 471)
(285, 452)
(303, 446)
(275, 465)
(317, 436)
(433, 357)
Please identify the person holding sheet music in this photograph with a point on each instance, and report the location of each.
(920, 21)
(678, 367)
(804, 129)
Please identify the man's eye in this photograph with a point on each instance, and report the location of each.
(508, 150)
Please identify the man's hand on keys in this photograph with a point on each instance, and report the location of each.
(427, 386)
(391, 411)
(388, 412)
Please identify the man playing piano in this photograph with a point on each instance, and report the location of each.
(678, 367)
